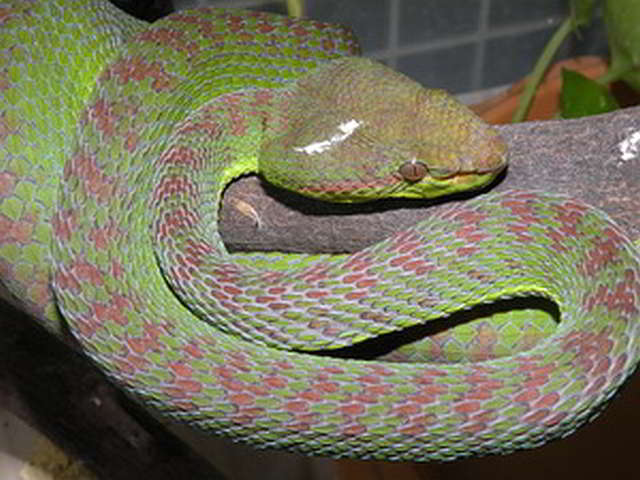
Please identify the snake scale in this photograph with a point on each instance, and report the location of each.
(117, 139)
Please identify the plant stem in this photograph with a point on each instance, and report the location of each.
(295, 8)
(540, 68)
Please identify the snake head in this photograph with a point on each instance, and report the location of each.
(357, 130)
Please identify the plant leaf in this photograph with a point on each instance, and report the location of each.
(632, 78)
(582, 96)
(581, 12)
(622, 18)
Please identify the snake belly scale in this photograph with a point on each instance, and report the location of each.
(116, 142)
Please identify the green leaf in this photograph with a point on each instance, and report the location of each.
(622, 18)
(582, 96)
(632, 78)
(581, 12)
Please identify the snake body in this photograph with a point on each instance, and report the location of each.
(116, 141)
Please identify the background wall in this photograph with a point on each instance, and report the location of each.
(460, 45)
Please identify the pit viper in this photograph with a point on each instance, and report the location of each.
(117, 139)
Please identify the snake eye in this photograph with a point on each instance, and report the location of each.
(413, 171)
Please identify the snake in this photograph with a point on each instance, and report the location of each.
(117, 140)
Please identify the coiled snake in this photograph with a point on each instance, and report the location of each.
(116, 141)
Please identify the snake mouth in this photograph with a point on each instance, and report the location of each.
(479, 172)
(485, 158)
(492, 163)
(496, 161)
(491, 168)
(394, 186)
(433, 186)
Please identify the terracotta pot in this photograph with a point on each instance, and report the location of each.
(500, 109)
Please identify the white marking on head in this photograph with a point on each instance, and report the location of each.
(346, 130)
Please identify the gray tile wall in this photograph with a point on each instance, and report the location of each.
(460, 45)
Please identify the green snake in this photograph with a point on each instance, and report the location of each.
(117, 139)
